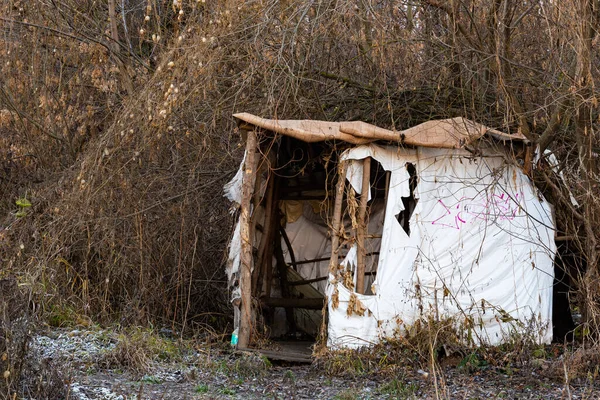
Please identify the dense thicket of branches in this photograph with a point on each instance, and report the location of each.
(116, 123)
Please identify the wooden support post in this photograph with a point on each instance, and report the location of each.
(267, 237)
(528, 162)
(362, 226)
(337, 217)
(275, 222)
(268, 276)
(246, 259)
(256, 199)
(388, 176)
(254, 223)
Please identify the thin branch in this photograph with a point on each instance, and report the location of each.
(23, 116)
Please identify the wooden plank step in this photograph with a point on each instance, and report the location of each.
(282, 355)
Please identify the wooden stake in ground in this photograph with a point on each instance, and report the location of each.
(246, 261)
(362, 226)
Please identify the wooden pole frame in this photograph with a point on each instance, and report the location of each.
(267, 237)
(246, 257)
(362, 226)
(337, 217)
(254, 223)
(270, 250)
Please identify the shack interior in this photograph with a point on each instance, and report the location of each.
(292, 265)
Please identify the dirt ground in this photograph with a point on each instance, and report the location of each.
(93, 365)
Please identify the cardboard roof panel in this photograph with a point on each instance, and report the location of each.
(446, 133)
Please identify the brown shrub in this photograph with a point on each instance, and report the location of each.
(128, 221)
(23, 375)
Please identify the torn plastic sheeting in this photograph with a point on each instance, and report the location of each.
(235, 245)
(481, 246)
(381, 155)
(233, 188)
(350, 259)
(354, 175)
(380, 320)
(399, 187)
(233, 192)
(235, 250)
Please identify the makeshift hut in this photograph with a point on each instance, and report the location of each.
(369, 230)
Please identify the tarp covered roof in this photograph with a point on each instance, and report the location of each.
(449, 133)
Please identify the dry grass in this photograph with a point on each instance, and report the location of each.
(23, 375)
(138, 350)
(581, 363)
(420, 347)
(429, 346)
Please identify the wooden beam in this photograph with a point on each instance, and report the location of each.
(246, 259)
(337, 217)
(362, 226)
(307, 281)
(314, 260)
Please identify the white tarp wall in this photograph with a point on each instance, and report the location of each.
(480, 250)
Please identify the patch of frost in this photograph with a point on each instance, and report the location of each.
(94, 393)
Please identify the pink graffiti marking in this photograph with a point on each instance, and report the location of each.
(496, 207)
(455, 218)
